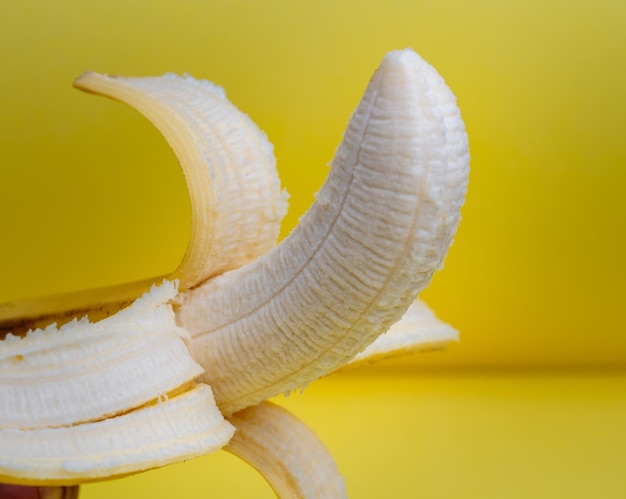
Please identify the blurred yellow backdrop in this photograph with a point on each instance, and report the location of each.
(91, 194)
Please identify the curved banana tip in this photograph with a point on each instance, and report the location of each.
(396, 63)
(87, 82)
(79, 82)
(404, 55)
(400, 56)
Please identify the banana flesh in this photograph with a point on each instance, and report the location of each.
(379, 228)
(285, 451)
(140, 384)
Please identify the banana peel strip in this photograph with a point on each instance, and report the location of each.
(286, 452)
(80, 372)
(228, 163)
(185, 426)
(96, 400)
(419, 330)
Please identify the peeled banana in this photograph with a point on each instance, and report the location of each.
(143, 381)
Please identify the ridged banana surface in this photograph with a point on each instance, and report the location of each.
(380, 227)
(148, 380)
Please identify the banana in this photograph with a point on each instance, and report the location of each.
(145, 381)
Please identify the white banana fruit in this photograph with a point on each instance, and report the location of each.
(133, 389)
(379, 228)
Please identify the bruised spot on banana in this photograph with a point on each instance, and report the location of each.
(149, 380)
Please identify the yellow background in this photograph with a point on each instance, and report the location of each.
(91, 195)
